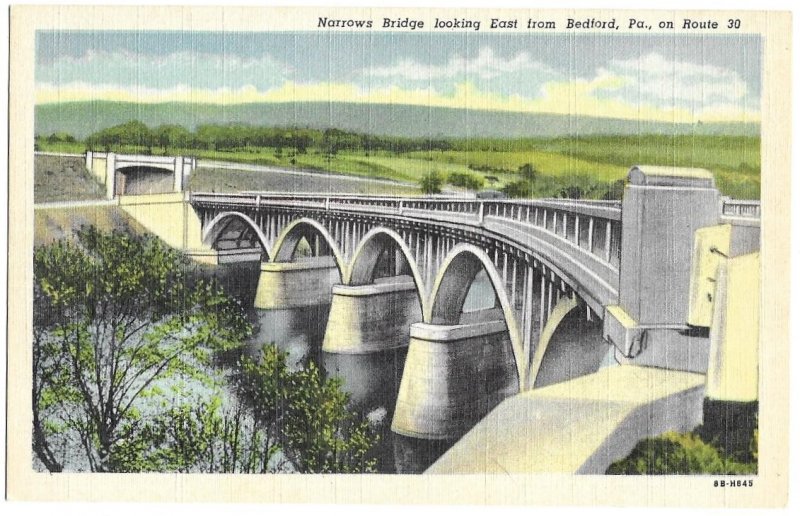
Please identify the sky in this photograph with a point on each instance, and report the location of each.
(672, 78)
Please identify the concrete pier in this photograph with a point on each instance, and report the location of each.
(373, 317)
(292, 302)
(303, 283)
(454, 375)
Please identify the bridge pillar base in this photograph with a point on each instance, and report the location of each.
(371, 318)
(453, 377)
(224, 256)
(297, 284)
(292, 301)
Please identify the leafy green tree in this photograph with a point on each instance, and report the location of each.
(573, 192)
(132, 133)
(305, 415)
(119, 324)
(202, 437)
(528, 172)
(322, 434)
(465, 180)
(171, 135)
(431, 183)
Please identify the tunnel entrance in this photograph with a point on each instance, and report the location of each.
(142, 180)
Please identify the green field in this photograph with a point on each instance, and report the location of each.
(590, 164)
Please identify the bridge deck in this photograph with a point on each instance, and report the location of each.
(579, 426)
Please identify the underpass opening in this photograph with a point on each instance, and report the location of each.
(143, 180)
(469, 292)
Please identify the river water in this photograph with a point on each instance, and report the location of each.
(372, 380)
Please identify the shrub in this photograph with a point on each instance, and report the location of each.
(431, 183)
(465, 180)
(678, 454)
(518, 188)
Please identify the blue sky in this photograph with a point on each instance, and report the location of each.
(670, 78)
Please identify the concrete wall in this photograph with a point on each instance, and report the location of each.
(579, 426)
(733, 363)
(712, 246)
(662, 207)
(167, 216)
(98, 168)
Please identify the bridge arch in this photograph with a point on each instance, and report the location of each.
(571, 344)
(453, 281)
(368, 253)
(304, 228)
(217, 227)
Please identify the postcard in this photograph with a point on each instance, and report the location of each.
(396, 255)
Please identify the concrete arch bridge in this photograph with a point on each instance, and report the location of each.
(491, 297)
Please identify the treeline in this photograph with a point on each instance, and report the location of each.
(235, 137)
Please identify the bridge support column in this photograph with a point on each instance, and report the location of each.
(111, 175)
(371, 318)
(178, 174)
(454, 375)
(366, 339)
(292, 302)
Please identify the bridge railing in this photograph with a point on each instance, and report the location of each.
(741, 208)
(592, 226)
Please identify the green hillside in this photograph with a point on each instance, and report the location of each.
(83, 118)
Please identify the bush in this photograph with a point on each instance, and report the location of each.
(678, 454)
(431, 183)
(464, 180)
(527, 171)
(518, 188)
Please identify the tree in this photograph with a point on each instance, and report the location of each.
(305, 415)
(171, 135)
(528, 172)
(465, 180)
(431, 183)
(519, 188)
(119, 326)
(675, 453)
(573, 192)
(133, 133)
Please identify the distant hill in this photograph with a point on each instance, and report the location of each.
(83, 118)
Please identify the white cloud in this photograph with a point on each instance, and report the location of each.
(195, 69)
(486, 65)
(656, 79)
